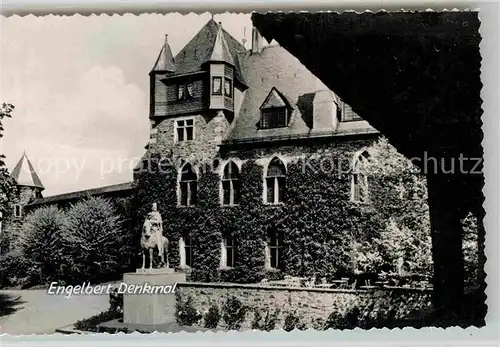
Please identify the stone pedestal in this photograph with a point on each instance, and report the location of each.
(150, 309)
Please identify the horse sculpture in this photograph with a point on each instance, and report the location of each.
(152, 237)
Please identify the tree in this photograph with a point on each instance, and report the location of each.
(41, 241)
(398, 198)
(95, 240)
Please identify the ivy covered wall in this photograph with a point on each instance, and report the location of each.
(318, 220)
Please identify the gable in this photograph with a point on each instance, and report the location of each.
(275, 99)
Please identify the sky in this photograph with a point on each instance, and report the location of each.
(80, 88)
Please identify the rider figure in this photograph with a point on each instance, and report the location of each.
(155, 217)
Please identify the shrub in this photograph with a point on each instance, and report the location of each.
(41, 242)
(234, 313)
(13, 269)
(348, 320)
(185, 313)
(116, 301)
(212, 317)
(90, 324)
(269, 322)
(98, 248)
(291, 321)
(257, 317)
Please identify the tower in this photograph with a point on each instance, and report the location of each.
(28, 184)
(28, 188)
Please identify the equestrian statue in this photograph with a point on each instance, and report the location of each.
(152, 236)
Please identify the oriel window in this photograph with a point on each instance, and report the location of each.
(217, 85)
(228, 87)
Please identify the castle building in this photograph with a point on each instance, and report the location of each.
(217, 102)
(265, 126)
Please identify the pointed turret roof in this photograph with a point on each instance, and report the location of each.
(211, 42)
(165, 60)
(25, 174)
(220, 49)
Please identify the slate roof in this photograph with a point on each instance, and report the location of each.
(165, 60)
(275, 68)
(25, 175)
(83, 193)
(199, 49)
(220, 50)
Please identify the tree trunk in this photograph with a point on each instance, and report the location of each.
(446, 233)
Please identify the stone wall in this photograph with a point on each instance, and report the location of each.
(310, 304)
(204, 145)
(12, 226)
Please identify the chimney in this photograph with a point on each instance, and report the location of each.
(256, 41)
(324, 108)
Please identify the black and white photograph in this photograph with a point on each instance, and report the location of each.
(241, 171)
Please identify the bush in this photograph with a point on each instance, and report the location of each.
(98, 248)
(339, 321)
(269, 322)
(185, 313)
(41, 242)
(292, 321)
(212, 317)
(234, 313)
(90, 324)
(257, 317)
(115, 301)
(13, 269)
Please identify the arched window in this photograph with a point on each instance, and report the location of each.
(275, 182)
(188, 186)
(359, 182)
(231, 184)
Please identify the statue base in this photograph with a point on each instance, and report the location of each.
(150, 296)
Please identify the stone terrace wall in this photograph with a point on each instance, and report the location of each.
(310, 304)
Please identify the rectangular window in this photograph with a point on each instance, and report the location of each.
(228, 87)
(275, 117)
(189, 193)
(275, 189)
(184, 130)
(230, 251)
(226, 192)
(184, 91)
(231, 192)
(188, 250)
(275, 248)
(217, 85)
(18, 211)
(180, 92)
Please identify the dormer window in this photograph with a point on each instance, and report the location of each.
(275, 117)
(275, 111)
(228, 87)
(216, 85)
